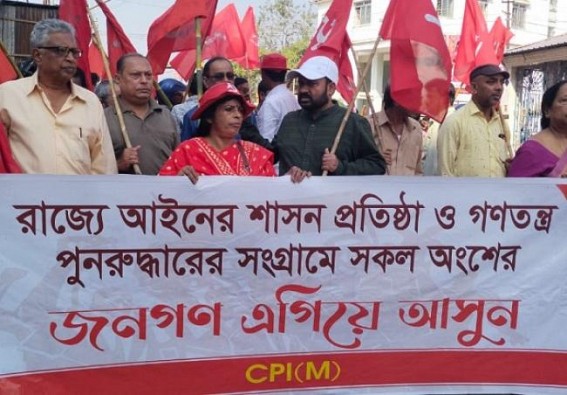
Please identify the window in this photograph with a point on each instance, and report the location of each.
(445, 8)
(363, 11)
(519, 15)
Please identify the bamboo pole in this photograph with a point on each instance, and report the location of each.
(98, 43)
(370, 103)
(199, 56)
(506, 131)
(94, 7)
(351, 104)
(162, 95)
(14, 66)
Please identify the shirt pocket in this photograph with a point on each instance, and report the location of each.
(409, 155)
(78, 141)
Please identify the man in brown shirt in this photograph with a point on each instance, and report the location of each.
(398, 137)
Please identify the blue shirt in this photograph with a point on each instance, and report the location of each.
(189, 129)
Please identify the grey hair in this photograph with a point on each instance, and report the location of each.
(42, 29)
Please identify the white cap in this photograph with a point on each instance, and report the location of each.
(316, 68)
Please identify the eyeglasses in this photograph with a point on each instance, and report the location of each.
(222, 76)
(64, 51)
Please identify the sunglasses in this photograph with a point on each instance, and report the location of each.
(222, 76)
(64, 51)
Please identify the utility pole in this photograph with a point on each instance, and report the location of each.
(508, 12)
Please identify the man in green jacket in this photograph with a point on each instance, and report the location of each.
(306, 136)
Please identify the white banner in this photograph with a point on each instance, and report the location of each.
(386, 284)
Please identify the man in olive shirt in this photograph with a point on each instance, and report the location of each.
(150, 127)
(306, 136)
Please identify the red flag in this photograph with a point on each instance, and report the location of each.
(75, 12)
(331, 40)
(95, 61)
(184, 63)
(248, 27)
(420, 60)
(475, 46)
(501, 36)
(174, 30)
(7, 162)
(225, 37)
(7, 71)
(346, 85)
(118, 42)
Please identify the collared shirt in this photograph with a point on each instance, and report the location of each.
(470, 146)
(73, 141)
(405, 148)
(301, 141)
(178, 111)
(430, 157)
(189, 126)
(277, 104)
(155, 134)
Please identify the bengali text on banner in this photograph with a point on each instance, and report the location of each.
(121, 284)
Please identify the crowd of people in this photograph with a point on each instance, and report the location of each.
(55, 126)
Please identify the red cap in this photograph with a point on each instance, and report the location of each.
(217, 92)
(273, 61)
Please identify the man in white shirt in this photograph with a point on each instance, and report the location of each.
(279, 100)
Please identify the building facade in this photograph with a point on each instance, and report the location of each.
(534, 68)
(529, 20)
(16, 23)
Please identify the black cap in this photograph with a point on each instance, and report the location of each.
(488, 70)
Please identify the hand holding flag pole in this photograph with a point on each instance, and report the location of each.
(98, 43)
(351, 104)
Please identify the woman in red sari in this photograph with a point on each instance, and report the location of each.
(217, 149)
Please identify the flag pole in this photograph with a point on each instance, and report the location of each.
(98, 43)
(351, 104)
(198, 56)
(506, 131)
(94, 7)
(370, 103)
(16, 68)
(162, 95)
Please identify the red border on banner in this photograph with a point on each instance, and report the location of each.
(563, 189)
(280, 372)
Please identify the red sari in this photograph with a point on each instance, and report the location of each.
(206, 160)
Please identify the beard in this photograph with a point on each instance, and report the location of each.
(313, 103)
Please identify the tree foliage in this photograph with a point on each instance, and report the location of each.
(284, 23)
(286, 27)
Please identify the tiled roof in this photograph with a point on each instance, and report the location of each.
(552, 42)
